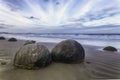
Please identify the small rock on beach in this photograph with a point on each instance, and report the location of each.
(110, 48)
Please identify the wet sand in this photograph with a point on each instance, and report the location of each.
(97, 65)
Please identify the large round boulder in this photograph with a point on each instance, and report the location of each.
(32, 56)
(68, 51)
(110, 48)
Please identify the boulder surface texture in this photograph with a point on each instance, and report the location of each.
(68, 51)
(32, 56)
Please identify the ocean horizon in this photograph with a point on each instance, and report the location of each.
(100, 40)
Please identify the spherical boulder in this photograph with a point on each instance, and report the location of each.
(12, 39)
(32, 56)
(2, 38)
(110, 48)
(29, 42)
(68, 51)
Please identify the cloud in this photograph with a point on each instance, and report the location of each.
(5, 26)
(104, 13)
(57, 14)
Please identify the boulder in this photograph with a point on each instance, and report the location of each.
(3, 63)
(32, 56)
(68, 51)
(29, 42)
(2, 38)
(12, 39)
(110, 48)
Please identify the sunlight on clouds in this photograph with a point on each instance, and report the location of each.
(60, 12)
(105, 21)
(16, 19)
(11, 17)
(86, 8)
(36, 9)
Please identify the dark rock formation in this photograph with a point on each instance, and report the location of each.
(32, 56)
(2, 38)
(68, 51)
(29, 42)
(3, 63)
(110, 48)
(12, 39)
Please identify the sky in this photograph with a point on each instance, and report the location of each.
(84, 16)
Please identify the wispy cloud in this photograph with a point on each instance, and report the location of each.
(51, 14)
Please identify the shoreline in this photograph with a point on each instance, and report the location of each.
(88, 42)
(97, 65)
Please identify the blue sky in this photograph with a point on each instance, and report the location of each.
(60, 16)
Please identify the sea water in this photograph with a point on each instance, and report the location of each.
(94, 40)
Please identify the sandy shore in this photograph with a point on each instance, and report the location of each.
(98, 65)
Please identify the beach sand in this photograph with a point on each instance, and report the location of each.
(97, 65)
